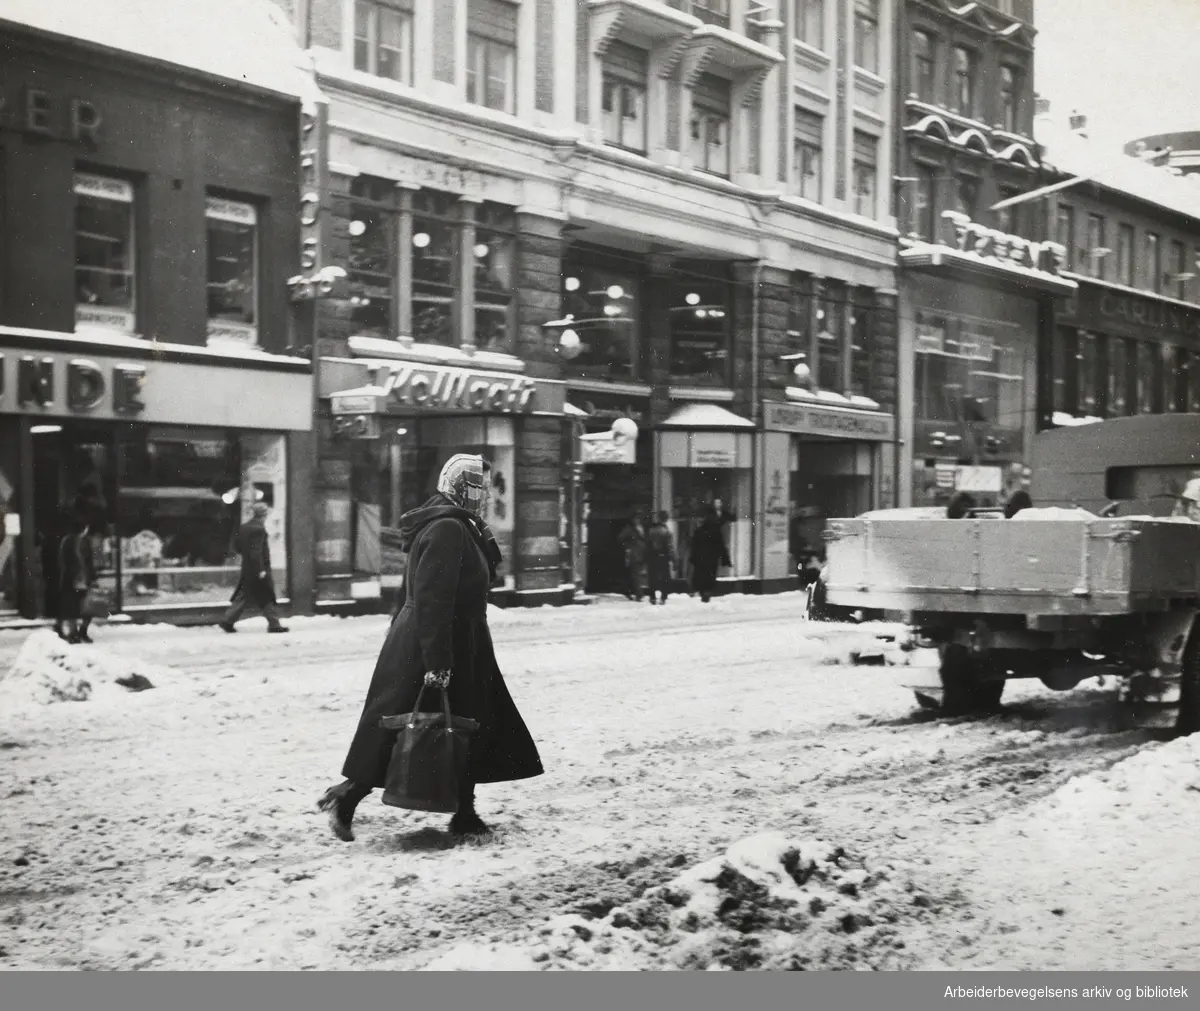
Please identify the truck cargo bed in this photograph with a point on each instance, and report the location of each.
(997, 566)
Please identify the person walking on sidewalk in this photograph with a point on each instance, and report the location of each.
(708, 554)
(256, 586)
(76, 575)
(660, 557)
(633, 543)
(440, 637)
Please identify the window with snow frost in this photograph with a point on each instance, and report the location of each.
(383, 38)
(492, 54)
(104, 254)
(866, 35)
(232, 228)
(623, 96)
(807, 151)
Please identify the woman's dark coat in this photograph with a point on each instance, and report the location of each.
(442, 624)
(708, 553)
(76, 572)
(252, 543)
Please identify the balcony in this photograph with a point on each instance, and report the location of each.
(942, 126)
(656, 23)
(728, 53)
(710, 12)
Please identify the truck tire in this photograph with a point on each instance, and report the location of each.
(963, 693)
(1187, 721)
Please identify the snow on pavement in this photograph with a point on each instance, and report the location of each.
(175, 828)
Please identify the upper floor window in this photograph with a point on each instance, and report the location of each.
(104, 254)
(810, 22)
(1066, 232)
(1097, 252)
(1153, 265)
(1178, 269)
(866, 34)
(713, 12)
(924, 66)
(383, 38)
(709, 128)
(372, 256)
(493, 244)
(699, 329)
(924, 211)
(623, 96)
(232, 270)
(1010, 98)
(1008, 219)
(964, 81)
(967, 193)
(807, 153)
(865, 154)
(1125, 256)
(492, 54)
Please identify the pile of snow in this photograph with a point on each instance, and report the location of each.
(1055, 513)
(768, 902)
(48, 669)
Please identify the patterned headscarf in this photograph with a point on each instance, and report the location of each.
(461, 481)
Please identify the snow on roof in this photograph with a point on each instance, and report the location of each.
(705, 416)
(1112, 168)
(250, 41)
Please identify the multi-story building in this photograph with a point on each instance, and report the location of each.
(977, 297)
(557, 215)
(1128, 342)
(149, 178)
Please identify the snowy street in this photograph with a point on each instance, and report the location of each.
(176, 828)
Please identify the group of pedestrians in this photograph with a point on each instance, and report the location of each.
(651, 560)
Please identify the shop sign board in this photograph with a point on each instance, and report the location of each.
(813, 419)
(445, 388)
(978, 479)
(1129, 315)
(623, 451)
(106, 387)
(716, 457)
(967, 236)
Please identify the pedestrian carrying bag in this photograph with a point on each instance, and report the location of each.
(429, 758)
(95, 604)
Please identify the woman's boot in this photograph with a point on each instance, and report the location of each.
(339, 803)
(466, 824)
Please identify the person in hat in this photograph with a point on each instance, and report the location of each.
(1188, 503)
(440, 637)
(256, 586)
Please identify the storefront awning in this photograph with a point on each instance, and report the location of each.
(705, 416)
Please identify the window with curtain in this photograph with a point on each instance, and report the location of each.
(623, 96)
(383, 38)
(807, 154)
(709, 128)
(924, 66)
(492, 54)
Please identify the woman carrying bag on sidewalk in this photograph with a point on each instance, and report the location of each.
(440, 637)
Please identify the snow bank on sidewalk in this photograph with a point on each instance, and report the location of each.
(768, 902)
(48, 670)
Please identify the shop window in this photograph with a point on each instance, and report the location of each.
(623, 96)
(1063, 370)
(492, 54)
(1153, 264)
(924, 66)
(1149, 385)
(1087, 366)
(1193, 384)
(10, 512)
(1066, 232)
(862, 347)
(232, 228)
(830, 340)
(182, 495)
(1118, 378)
(606, 310)
(1175, 370)
(1125, 257)
(372, 267)
(799, 334)
(964, 81)
(699, 315)
(383, 38)
(866, 35)
(1010, 98)
(864, 173)
(807, 153)
(810, 22)
(709, 129)
(495, 256)
(104, 254)
(436, 235)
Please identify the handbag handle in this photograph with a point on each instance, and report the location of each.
(445, 707)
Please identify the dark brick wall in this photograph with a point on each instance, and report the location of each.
(539, 293)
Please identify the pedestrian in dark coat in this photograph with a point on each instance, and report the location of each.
(256, 585)
(660, 557)
(440, 636)
(708, 552)
(76, 574)
(633, 544)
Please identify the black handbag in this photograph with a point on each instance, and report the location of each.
(429, 758)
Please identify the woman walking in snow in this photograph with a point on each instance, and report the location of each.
(76, 575)
(708, 554)
(440, 637)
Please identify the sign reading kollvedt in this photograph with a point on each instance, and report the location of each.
(444, 388)
(812, 419)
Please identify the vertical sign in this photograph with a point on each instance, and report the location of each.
(313, 183)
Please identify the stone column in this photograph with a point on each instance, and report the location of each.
(772, 292)
(538, 293)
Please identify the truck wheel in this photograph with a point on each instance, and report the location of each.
(963, 692)
(1188, 719)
